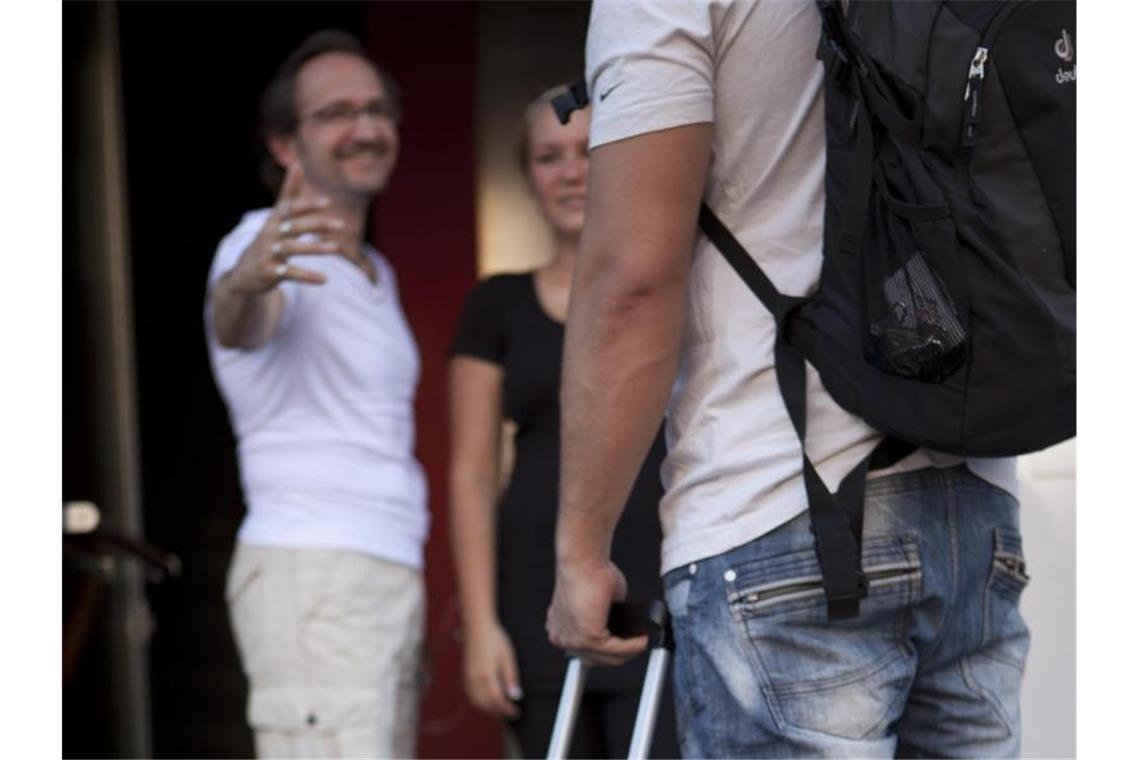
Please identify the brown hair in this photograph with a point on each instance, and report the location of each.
(277, 112)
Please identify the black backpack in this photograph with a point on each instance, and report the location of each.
(946, 310)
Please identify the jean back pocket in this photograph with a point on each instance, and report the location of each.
(842, 677)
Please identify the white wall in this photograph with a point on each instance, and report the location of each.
(1048, 525)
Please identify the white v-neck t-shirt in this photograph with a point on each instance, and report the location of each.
(323, 413)
(733, 470)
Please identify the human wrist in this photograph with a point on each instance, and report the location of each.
(581, 553)
(480, 622)
(231, 284)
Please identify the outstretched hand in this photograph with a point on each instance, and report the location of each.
(265, 262)
(576, 620)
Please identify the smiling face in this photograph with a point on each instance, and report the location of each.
(557, 164)
(346, 137)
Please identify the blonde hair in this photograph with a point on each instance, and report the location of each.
(530, 115)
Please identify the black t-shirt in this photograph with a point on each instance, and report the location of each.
(504, 323)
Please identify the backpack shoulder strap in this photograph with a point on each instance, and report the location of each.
(836, 519)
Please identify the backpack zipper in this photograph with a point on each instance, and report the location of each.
(972, 110)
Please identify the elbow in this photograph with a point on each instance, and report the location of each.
(623, 272)
(623, 286)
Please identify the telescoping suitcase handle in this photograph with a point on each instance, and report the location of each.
(626, 619)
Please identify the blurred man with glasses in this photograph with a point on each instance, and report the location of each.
(318, 368)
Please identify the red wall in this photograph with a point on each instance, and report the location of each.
(425, 224)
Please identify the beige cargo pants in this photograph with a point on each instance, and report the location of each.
(330, 642)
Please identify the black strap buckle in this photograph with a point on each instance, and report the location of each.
(844, 604)
(570, 101)
(844, 582)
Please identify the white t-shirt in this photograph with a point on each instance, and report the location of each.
(323, 413)
(733, 471)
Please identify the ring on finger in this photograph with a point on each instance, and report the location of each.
(281, 270)
(277, 248)
(285, 227)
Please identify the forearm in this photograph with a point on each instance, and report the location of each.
(475, 407)
(473, 545)
(623, 338)
(243, 319)
(622, 349)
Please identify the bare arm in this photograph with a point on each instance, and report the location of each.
(476, 409)
(627, 310)
(244, 319)
(246, 304)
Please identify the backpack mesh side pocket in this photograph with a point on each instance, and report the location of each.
(915, 327)
(919, 334)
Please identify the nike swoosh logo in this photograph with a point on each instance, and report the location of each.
(606, 94)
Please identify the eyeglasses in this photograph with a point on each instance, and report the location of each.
(344, 114)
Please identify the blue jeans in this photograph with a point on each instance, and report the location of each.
(931, 667)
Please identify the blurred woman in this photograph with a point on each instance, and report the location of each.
(506, 363)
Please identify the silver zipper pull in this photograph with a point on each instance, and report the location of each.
(972, 111)
(977, 69)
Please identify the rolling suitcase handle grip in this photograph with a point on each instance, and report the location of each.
(626, 619)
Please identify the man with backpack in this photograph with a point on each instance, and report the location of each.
(833, 592)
